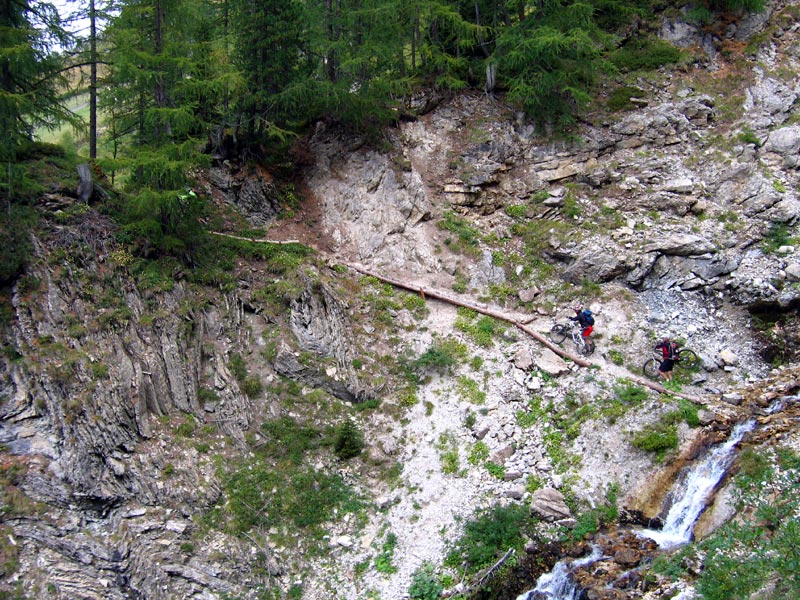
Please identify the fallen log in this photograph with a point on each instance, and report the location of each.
(259, 241)
(429, 293)
(662, 390)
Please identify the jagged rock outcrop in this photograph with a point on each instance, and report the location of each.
(251, 190)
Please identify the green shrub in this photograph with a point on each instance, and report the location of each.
(642, 53)
(237, 366)
(440, 356)
(488, 536)
(516, 211)
(630, 393)
(424, 584)
(383, 562)
(99, 370)
(687, 411)
(252, 387)
(747, 136)
(658, 439)
(620, 98)
(470, 390)
(349, 441)
(260, 495)
(187, 428)
(495, 470)
(478, 454)
(481, 331)
(467, 236)
(285, 438)
(777, 236)
(616, 357)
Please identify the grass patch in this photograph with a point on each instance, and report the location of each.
(488, 536)
(644, 54)
(659, 439)
(480, 330)
(465, 237)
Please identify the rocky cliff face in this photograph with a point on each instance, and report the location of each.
(124, 409)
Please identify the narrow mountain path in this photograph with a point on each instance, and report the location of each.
(515, 319)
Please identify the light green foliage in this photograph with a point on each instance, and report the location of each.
(495, 470)
(447, 445)
(383, 562)
(479, 453)
(535, 413)
(571, 208)
(415, 304)
(658, 439)
(747, 136)
(288, 440)
(469, 390)
(533, 483)
(258, 494)
(616, 357)
(778, 235)
(488, 536)
(516, 211)
(629, 392)
(441, 356)
(480, 329)
(424, 584)
(466, 236)
(687, 411)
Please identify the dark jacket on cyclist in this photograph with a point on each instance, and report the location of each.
(583, 320)
(669, 354)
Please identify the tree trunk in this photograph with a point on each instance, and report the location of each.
(92, 81)
(427, 293)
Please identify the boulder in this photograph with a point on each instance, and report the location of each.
(523, 359)
(784, 141)
(681, 244)
(551, 363)
(548, 504)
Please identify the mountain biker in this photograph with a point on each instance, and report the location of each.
(669, 354)
(584, 319)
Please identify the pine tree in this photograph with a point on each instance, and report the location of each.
(30, 73)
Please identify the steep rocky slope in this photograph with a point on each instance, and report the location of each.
(135, 409)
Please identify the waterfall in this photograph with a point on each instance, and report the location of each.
(557, 584)
(693, 492)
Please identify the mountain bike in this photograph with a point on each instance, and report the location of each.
(584, 346)
(687, 359)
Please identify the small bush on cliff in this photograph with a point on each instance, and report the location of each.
(644, 53)
(488, 536)
(659, 439)
(349, 441)
(424, 584)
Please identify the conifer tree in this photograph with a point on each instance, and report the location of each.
(30, 72)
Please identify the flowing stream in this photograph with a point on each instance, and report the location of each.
(692, 491)
(690, 494)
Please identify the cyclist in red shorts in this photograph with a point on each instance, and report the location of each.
(584, 319)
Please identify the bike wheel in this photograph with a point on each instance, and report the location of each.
(586, 348)
(650, 368)
(558, 333)
(687, 359)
